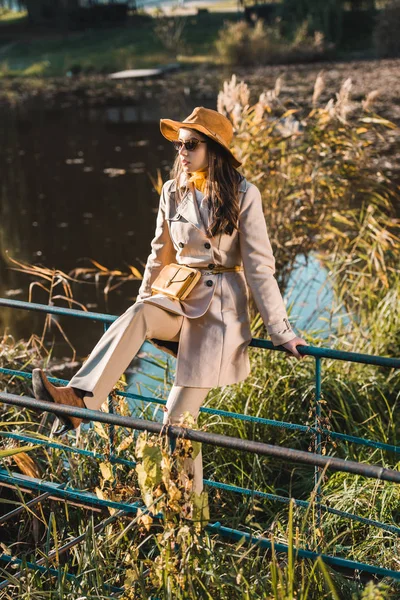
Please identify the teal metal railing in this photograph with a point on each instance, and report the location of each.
(315, 458)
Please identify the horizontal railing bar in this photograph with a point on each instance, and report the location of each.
(301, 553)
(18, 561)
(58, 310)
(255, 342)
(344, 437)
(37, 484)
(52, 496)
(51, 444)
(224, 532)
(215, 484)
(72, 494)
(249, 418)
(367, 359)
(303, 504)
(223, 441)
(35, 567)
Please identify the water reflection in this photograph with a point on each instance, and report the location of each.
(123, 114)
(312, 298)
(75, 185)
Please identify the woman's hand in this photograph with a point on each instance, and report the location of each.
(291, 346)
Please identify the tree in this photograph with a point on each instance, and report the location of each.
(323, 16)
(42, 11)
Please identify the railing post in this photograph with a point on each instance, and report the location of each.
(318, 438)
(111, 428)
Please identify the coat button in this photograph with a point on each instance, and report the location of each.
(209, 283)
(181, 244)
(211, 266)
(207, 245)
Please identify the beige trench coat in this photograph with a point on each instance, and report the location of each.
(212, 348)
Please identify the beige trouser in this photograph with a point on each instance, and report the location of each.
(115, 351)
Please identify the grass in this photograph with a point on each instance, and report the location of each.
(145, 558)
(104, 51)
(100, 51)
(11, 17)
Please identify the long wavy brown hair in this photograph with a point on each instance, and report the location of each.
(222, 191)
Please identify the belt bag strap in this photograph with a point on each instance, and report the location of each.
(226, 269)
(217, 269)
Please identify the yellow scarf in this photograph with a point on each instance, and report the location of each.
(199, 178)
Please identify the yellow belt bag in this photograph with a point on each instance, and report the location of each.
(177, 281)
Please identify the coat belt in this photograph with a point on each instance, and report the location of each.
(217, 269)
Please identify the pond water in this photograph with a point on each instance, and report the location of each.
(75, 186)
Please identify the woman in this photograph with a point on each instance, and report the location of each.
(209, 218)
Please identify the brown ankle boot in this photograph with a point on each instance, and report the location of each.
(44, 390)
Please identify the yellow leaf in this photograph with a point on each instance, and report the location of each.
(290, 112)
(141, 443)
(145, 489)
(99, 493)
(106, 471)
(146, 521)
(152, 464)
(125, 443)
(174, 493)
(99, 266)
(379, 121)
(135, 272)
(27, 465)
(99, 429)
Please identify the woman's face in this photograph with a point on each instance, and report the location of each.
(193, 160)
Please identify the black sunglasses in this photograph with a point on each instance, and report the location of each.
(189, 145)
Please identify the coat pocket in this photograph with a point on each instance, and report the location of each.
(238, 296)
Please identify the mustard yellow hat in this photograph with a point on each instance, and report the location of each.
(207, 121)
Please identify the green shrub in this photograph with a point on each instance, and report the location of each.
(240, 43)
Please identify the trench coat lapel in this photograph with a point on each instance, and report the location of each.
(189, 209)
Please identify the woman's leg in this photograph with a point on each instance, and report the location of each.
(180, 400)
(119, 345)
